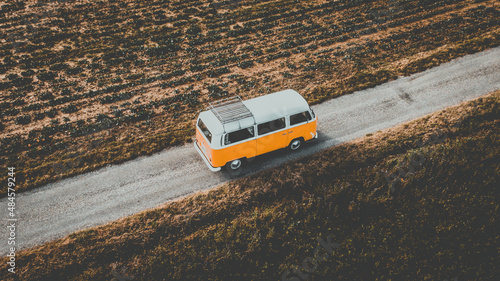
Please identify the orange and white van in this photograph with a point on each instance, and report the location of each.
(232, 130)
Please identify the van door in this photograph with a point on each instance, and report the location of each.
(271, 136)
(296, 121)
(240, 143)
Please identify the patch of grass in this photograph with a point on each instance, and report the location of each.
(437, 223)
(467, 47)
(368, 79)
(101, 151)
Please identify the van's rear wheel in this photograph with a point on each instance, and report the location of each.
(295, 144)
(234, 165)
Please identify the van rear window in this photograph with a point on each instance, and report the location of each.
(205, 130)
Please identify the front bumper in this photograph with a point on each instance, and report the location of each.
(314, 137)
(209, 165)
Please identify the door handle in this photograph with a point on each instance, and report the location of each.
(290, 132)
(284, 134)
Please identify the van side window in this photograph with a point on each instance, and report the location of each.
(205, 130)
(239, 135)
(271, 126)
(300, 118)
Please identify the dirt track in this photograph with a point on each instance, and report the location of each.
(116, 191)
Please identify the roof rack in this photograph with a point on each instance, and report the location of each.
(230, 110)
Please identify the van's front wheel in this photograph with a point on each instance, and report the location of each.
(295, 144)
(234, 166)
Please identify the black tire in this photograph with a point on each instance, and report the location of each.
(234, 165)
(295, 144)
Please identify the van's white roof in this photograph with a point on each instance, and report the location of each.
(265, 108)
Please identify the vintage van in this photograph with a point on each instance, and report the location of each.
(232, 130)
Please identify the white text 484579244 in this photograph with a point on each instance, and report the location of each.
(11, 220)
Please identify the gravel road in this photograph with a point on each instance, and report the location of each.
(99, 197)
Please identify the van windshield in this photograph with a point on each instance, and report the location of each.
(205, 130)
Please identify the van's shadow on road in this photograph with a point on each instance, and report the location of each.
(279, 157)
